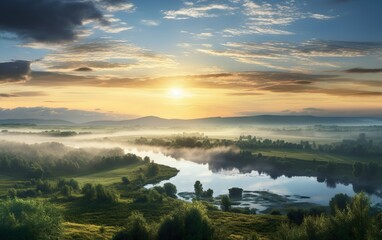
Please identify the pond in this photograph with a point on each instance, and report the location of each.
(293, 190)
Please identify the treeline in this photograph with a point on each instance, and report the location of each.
(55, 159)
(358, 147)
(38, 187)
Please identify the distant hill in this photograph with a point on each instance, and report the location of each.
(34, 122)
(152, 121)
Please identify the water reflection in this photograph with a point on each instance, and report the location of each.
(223, 179)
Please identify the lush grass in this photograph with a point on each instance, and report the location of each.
(76, 231)
(310, 155)
(237, 226)
(133, 172)
(116, 214)
(7, 182)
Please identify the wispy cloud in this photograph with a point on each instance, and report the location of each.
(307, 54)
(236, 84)
(116, 5)
(149, 22)
(104, 55)
(270, 18)
(22, 94)
(202, 11)
(364, 70)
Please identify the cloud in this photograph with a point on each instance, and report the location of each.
(46, 113)
(150, 23)
(117, 5)
(22, 94)
(364, 70)
(16, 71)
(235, 84)
(267, 18)
(308, 54)
(48, 21)
(83, 69)
(105, 55)
(191, 11)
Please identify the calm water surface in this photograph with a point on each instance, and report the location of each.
(220, 182)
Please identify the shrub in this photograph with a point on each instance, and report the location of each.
(29, 220)
(188, 222)
(136, 228)
(170, 190)
(225, 203)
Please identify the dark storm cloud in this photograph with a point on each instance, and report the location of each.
(15, 71)
(83, 69)
(46, 20)
(364, 70)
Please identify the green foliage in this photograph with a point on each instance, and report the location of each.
(209, 193)
(99, 193)
(170, 190)
(198, 188)
(67, 191)
(188, 222)
(225, 203)
(136, 228)
(353, 223)
(29, 220)
(125, 180)
(339, 202)
(296, 216)
(152, 169)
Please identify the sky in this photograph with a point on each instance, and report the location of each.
(119, 59)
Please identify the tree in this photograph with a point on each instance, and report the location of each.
(29, 220)
(125, 180)
(225, 203)
(170, 190)
(339, 202)
(209, 193)
(152, 169)
(296, 216)
(358, 169)
(136, 228)
(190, 221)
(198, 187)
(67, 191)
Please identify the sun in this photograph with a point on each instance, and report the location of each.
(176, 92)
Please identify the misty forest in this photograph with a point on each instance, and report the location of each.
(190, 120)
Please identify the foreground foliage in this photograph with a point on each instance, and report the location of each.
(29, 220)
(355, 222)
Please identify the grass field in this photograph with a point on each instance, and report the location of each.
(113, 176)
(311, 155)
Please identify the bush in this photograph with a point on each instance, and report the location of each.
(225, 203)
(29, 220)
(188, 222)
(296, 216)
(353, 223)
(125, 180)
(136, 228)
(339, 202)
(99, 193)
(170, 190)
